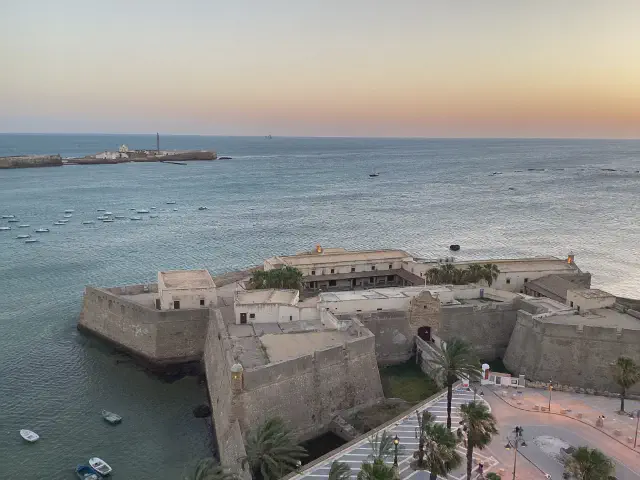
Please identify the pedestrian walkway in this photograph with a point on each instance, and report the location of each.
(405, 429)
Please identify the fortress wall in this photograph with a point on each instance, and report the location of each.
(312, 389)
(134, 289)
(29, 161)
(217, 361)
(159, 337)
(393, 337)
(488, 328)
(569, 354)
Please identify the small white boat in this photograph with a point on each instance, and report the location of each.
(68, 211)
(107, 220)
(8, 216)
(120, 217)
(136, 218)
(102, 217)
(59, 223)
(29, 436)
(112, 418)
(153, 216)
(42, 230)
(31, 240)
(67, 215)
(171, 203)
(101, 210)
(108, 213)
(175, 209)
(153, 208)
(203, 208)
(144, 210)
(23, 236)
(5, 228)
(13, 220)
(88, 222)
(63, 220)
(100, 466)
(24, 225)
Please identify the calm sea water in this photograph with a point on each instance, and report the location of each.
(276, 196)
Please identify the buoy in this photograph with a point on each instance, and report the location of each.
(455, 248)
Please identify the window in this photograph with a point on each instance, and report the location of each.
(508, 281)
(353, 269)
(389, 278)
(313, 272)
(202, 302)
(578, 307)
(378, 309)
(176, 304)
(373, 267)
(333, 270)
(358, 310)
(252, 315)
(332, 283)
(571, 304)
(290, 317)
(390, 266)
(370, 279)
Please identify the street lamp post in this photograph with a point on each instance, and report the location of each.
(518, 440)
(550, 388)
(396, 442)
(635, 440)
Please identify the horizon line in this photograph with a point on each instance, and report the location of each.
(324, 136)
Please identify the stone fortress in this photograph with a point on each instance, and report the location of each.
(313, 355)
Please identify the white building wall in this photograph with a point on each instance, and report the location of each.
(576, 300)
(366, 305)
(188, 298)
(262, 312)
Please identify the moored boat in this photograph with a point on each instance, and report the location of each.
(68, 211)
(112, 418)
(23, 236)
(100, 466)
(59, 223)
(203, 208)
(13, 220)
(29, 436)
(142, 210)
(85, 472)
(67, 215)
(31, 240)
(171, 203)
(8, 216)
(136, 218)
(88, 222)
(24, 225)
(5, 228)
(42, 230)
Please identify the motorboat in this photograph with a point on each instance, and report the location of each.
(69, 211)
(8, 216)
(64, 220)
(85, 472)
(120, 216)
(31, 240)
(88, 222)
(23, 236)
(203, 208)
(29, 436)
(108, 220)
(143, 210)
(374, 174)
(171, 203)
(5, 228)
(13, 220)
(136, 218)
(42, 230)
(108, 213)
(67, 215)
(59, 223)
(112, 418)
(153, 208)
(101, 210)
(100, 466)
(175, 209)
(153, 216)
(102, 217)
(24, 225)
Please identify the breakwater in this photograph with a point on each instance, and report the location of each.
(31, 161)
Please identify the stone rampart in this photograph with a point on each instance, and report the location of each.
(158, 337)
(487, 327)
(393, 336)
(577, 355)
(31, 161)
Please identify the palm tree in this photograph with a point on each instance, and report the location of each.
(382, 446)
(474, 273)
(433, 276)
(283, 277)
(447, 272)
(626, 374)
(455, 359)
(437, 447)
(272, 451)
(210, 469)
(589, 464)
(491, 272)
(376, 471)
(339, 471)
(479, 424)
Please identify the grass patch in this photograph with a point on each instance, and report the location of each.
(407, 381)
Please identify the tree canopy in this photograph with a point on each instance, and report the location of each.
(450, 274)
(283, 277)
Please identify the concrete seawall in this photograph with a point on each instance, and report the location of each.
(31, 161)
(159, 338)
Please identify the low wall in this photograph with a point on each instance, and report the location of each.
(393, 336)
(575, 355)
(31, 161)
(158, 337)
(488, 327)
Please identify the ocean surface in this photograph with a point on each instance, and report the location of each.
(496, 198)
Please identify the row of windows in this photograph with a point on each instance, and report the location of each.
(353, 269)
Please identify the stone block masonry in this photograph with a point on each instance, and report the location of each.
(159, 338)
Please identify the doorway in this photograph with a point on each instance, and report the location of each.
(176, 304)
(425, 333)
(243, 318)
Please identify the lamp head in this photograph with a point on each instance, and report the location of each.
(396, 440)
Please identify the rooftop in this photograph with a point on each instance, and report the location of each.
(186, 279)
(252, 297)
(336, 255)
(381, 293)
(526, 264)
(592, 293)
(291, 345)
(556, 284)
(601, 317)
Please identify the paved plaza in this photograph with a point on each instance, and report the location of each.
(405, 429)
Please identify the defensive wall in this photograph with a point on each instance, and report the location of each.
(569, 354)
(307, 392)
(30, 161)
(157, 337)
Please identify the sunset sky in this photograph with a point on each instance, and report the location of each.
(451, 68)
